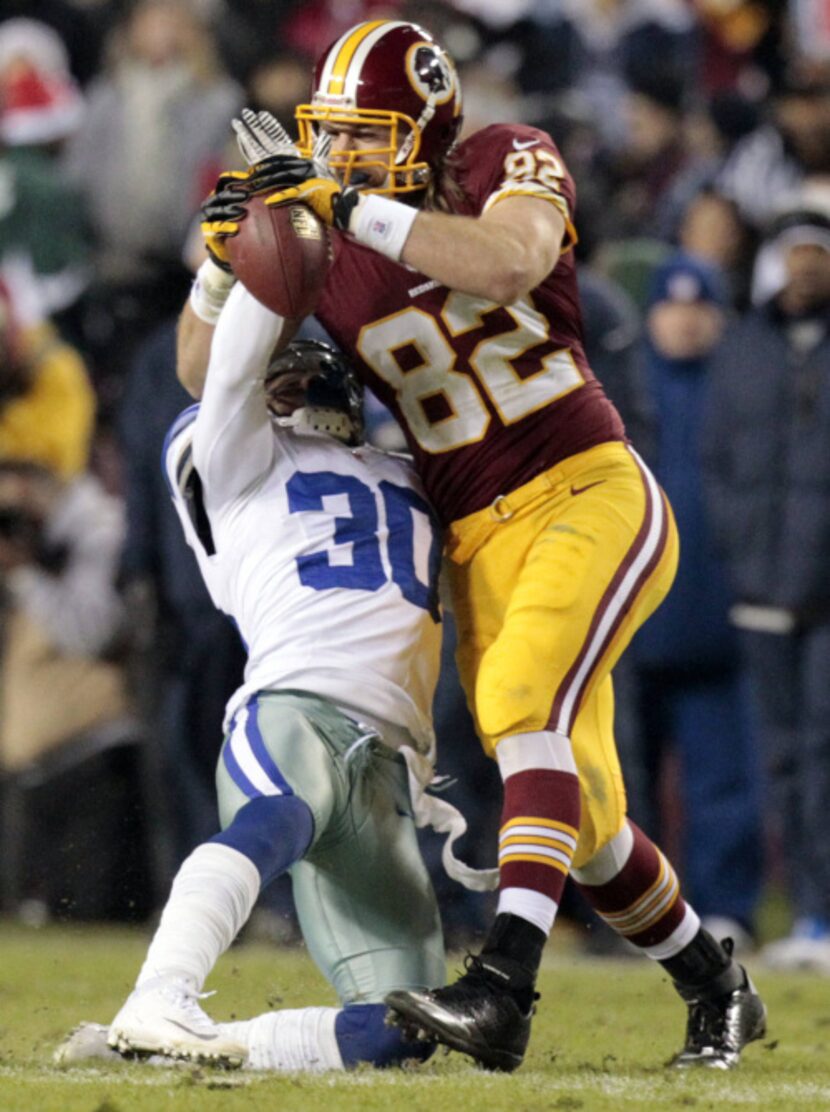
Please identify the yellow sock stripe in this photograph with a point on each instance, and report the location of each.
(347, 52)
(633, 909)
(565, 856)
(656, 914)
(554, 864)
(651, 907)
(552, 824)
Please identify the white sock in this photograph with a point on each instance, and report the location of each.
(535, 907)
(212, 896)
(290, 1039)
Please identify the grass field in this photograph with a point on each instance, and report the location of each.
(602, 1034)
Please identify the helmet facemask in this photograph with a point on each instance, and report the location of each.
(398, 157)
(330, 396)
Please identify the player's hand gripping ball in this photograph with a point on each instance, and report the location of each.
(279, 249)
(221, 213)
(281, 254)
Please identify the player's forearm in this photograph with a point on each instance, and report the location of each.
(502, 260)
(232, 440)
(472, 256)
(210, 290)
(193, 340)
(245, 339)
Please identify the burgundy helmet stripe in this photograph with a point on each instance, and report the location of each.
(621, 593)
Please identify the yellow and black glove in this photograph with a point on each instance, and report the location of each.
(222, 212)
(289, 179)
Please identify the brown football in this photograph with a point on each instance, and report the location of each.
(281, 254)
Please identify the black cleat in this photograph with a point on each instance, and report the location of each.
(718, 1029)
(478, 1015)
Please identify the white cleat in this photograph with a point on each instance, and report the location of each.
(163, 1017)
(87, 1043)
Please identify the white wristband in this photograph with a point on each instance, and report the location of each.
(382, 224)
(210, 290)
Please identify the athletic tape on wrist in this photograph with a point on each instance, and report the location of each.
(382, 224)
(210, 290)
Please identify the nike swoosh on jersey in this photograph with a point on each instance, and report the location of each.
(517, 146)
(582, 489)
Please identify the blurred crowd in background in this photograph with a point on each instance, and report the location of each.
(698, 133)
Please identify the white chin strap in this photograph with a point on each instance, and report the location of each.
(319, 419)
(422, 121)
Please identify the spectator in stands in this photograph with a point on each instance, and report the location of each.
(597, 48)
(651, 170)
(79, 25)
(711, 228)
(740, 43)
(72, 837)
(42, 222)
(147, 154)
(768, 467)
(40, 102)
(693, 696)
(47, 406)
(160, 113)
(776, 158)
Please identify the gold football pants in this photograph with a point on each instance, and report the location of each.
(549, 584)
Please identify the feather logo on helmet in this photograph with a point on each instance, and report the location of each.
(431, 73)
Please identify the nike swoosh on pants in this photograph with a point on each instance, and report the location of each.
(582, 489)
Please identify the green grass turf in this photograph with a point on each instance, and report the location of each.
(601, 1036)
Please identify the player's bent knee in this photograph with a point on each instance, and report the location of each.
(274, 831)
(510, 697)
(608, 860)
(363, 1037)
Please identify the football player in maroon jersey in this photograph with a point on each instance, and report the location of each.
(453, 287)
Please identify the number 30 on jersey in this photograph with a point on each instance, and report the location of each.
(413, 550)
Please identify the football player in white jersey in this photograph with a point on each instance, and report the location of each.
(325, 554)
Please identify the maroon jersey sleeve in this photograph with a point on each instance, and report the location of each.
(509, 160)
(488, 395)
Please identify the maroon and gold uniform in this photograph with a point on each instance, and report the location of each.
(489, 396)
(560, 542)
